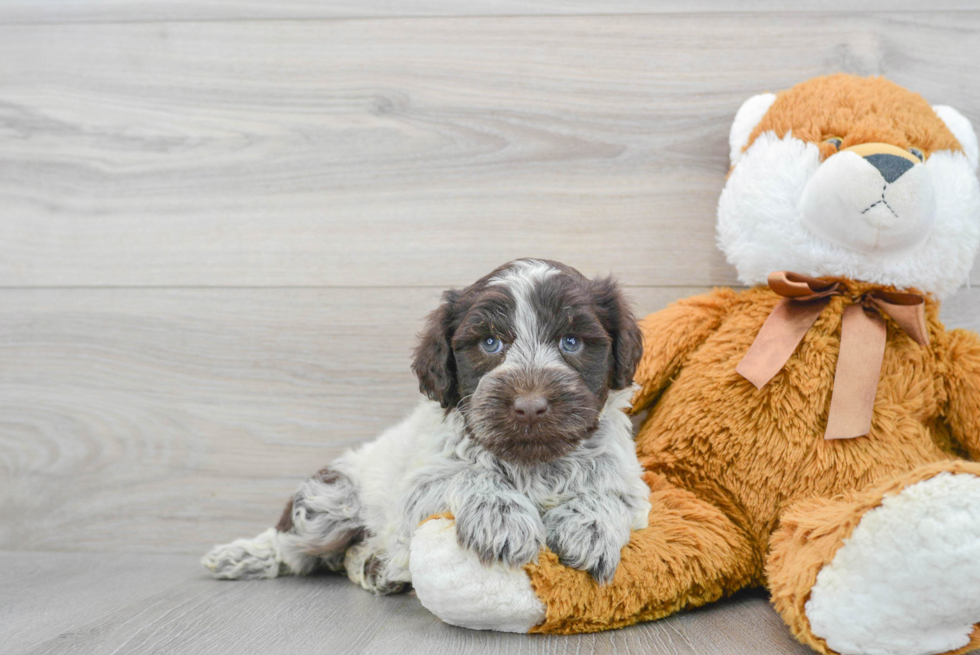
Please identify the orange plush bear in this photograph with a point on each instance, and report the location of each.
(818, 435)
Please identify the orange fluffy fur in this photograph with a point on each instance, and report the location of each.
(856, 110)
(727, 463)
(745, 490)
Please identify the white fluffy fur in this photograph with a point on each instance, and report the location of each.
(526, 351)
(412, 456)
(962, 130)
(453, 584)
(907, 582)
(415, 452)
(761, 227)
(848, 203)
(258, 557)
(747, 117)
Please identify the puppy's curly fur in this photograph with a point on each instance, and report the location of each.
(521, 439)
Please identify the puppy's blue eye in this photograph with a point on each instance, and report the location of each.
(570, 344)
(491, 345)
(918, 153)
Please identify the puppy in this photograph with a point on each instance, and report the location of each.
(522, 438)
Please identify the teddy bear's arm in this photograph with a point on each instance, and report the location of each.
(672, 334)
(963, 386)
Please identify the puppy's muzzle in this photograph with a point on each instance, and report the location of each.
(532, 417)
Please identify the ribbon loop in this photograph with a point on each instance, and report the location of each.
(908, 310)
(862, 348)
(801, 287)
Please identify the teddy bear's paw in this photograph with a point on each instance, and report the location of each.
(906, 582)
(453, 584)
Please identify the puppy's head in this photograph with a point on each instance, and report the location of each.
(528, 355)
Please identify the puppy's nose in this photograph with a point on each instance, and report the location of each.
(530, 406)
(891, 167)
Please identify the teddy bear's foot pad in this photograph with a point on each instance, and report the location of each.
(907, 581)
(452, 584)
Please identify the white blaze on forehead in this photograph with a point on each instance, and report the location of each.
(523, 275)
(522, 278)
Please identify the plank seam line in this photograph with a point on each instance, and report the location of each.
(308, 19)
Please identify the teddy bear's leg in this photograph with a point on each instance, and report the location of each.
(894, 568)
(690, 555)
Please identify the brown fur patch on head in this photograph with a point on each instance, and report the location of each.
(856, 110)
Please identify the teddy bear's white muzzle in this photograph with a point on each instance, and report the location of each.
(873, 204)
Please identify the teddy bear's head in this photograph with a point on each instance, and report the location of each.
(854, 177)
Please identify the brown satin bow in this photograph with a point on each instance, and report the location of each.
(862, 343)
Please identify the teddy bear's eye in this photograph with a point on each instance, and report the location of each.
(918, 153)
(835, 141)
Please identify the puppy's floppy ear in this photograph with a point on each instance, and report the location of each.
(617, 318)
(434, 363)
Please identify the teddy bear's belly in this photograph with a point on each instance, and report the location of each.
(752, 452)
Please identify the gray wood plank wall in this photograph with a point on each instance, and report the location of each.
(61, 11)
(221, 223)
(218, 238)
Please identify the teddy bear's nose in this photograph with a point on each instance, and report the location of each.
(891, 167)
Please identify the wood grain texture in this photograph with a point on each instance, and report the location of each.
(61, 11)
(406, 152)
(222, 221)
(70, 603)
(165, 420)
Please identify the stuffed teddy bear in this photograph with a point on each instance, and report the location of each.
(816, 434)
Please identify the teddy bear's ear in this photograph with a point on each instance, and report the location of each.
(747, 117)
(962, 130)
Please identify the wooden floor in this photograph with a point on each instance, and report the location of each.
(86, 603)
(222, 221)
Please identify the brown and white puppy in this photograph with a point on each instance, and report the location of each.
(522, 439)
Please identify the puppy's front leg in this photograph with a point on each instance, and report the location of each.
(494, 520)
(588, 533)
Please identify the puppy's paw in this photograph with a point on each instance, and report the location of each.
(367, 566)
(587, 539)
(245, 559)
(500, 529)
